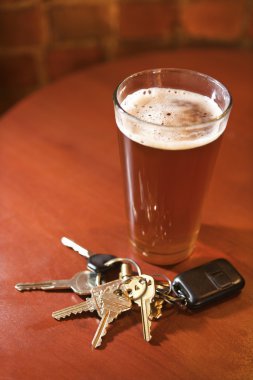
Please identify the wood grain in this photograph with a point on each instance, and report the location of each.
(60, 175)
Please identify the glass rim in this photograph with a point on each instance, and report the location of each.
(172, 69)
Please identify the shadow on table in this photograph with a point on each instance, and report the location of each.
(233, 241)
(217, 242)
(214, 242)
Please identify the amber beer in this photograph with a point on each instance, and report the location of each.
(169, 137)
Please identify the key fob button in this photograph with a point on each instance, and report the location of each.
(220, 279)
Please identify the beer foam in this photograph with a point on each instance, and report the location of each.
(171, 118)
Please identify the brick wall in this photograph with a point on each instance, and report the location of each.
(41, 40)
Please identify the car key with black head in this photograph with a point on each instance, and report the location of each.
(205, 284)
(95, 261)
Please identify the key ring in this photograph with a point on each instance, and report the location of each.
(124, 260)
(98, 279)
(172, 299)
(163, 285)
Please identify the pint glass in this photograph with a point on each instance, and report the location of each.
(170, 126)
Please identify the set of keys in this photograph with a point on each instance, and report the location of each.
(193, 289)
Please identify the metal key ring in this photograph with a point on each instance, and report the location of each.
(98, 279)
(124, 260)
(169, 286)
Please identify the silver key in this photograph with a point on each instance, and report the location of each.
(95, 261)
(76, 247)
(81, 283)
(143, 293)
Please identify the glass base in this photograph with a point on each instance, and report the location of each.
(163, 258)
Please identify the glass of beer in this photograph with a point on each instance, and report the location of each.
(170, 126)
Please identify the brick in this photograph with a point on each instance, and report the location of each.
(139, 20)
(18, 70)
(63, 61)
(20, 27)
(4, 3)
(216, 20)
(129, 47)
(250, 29)
(78, 21)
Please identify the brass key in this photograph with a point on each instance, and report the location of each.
(142, 290)
(109, 300)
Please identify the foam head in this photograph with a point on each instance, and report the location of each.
(167, 118)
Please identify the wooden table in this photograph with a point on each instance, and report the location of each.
(60, 175)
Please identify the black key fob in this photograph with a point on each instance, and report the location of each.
(208, 283)
(97, 261)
